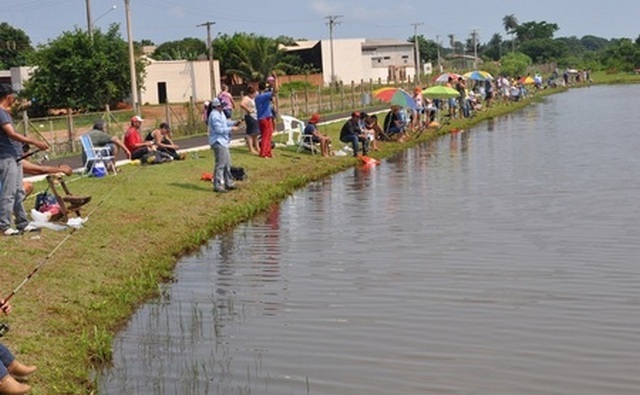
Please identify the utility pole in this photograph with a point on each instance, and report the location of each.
(132, 61)
(89, 24)
(333, 21)
(417, 50)
(210, 56)
(438, 49)
(474, 36)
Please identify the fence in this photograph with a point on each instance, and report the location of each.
(63, 132)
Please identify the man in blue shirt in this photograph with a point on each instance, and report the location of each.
(220, 129)
(266, 118)
(12, 193)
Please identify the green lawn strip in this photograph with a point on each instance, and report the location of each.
(142, 220)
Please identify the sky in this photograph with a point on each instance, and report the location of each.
(169, 20)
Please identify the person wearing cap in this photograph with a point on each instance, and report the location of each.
(161, 138)
(312, 129)
(351, 133)
(101, 139)
(11, 172)
(266, 119)
(133, 140)
(220, 129)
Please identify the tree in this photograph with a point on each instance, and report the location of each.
(624, 55)
(510, 23)
(427, 49)
(535, 30)
(255, 57)
(15, 46)
(515, 64)
(544, 50)
(493, 49)
(75, 71)
(185, 49)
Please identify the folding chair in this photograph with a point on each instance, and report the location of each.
(96, 155)
(69, 202)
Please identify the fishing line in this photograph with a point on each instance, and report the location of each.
(4, 328)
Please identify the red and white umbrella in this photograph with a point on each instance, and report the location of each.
(444, 78)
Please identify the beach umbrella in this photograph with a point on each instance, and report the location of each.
(444, 78)
(395, 96)
(440, 92)
(478, 75)
(527, 80)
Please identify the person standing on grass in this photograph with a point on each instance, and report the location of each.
(220, 129)
(248, 105)
(228, 105)
(265, 119)
(12, 192)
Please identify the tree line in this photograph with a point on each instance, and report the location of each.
(81, 71)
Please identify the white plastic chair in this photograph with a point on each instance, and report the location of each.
(305, 141)
(96, 155)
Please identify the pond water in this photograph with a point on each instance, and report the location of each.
(499, 260)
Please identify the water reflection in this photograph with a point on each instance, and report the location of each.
(480, 263)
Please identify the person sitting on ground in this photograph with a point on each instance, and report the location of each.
(395, 123)
(373, 130)
(248, 105)
(312, 129)
(133, 140)
(101, 139)
(161, 138)
(10, 368)
(351, 133)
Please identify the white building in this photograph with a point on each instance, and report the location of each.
(170, 81)
(178, 81)
(358, 59)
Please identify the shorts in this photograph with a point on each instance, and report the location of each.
(252, 125)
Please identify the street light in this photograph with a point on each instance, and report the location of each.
(91, 22)
(113, 8)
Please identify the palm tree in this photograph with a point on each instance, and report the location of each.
(452, 42)
(254, 58)
(510, 23)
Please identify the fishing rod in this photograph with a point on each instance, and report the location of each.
(28, 155)
(4, 328)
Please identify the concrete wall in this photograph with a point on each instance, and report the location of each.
(353, 63)
(183, 79)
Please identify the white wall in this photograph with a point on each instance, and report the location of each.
(347, 54)
(184, 80)
(353, 64)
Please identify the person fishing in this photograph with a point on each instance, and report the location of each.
(10, 368)
(12, 194)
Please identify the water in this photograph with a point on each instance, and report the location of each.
(499, 260)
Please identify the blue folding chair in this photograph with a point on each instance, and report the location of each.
(95, 155)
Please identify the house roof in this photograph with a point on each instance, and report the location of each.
(386, 43)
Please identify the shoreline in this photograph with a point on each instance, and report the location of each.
(141, 223)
